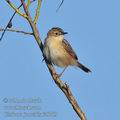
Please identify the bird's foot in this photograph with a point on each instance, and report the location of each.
(57, 75)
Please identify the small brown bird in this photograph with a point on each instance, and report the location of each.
(58, 51)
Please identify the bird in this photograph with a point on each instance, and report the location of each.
(58, 51)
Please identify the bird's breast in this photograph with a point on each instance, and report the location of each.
(58, 54)
(56, 49)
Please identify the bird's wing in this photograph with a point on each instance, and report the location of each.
(69, 49)
(46, 52)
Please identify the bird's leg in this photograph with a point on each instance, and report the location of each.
(62, 71)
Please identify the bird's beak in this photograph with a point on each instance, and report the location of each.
(65, 33)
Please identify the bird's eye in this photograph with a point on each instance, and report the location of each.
(56, 33)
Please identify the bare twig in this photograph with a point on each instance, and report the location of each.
(16, 9)
(17, 31)
(28, 4)
(37, 11)
(60, 6)
(8, 23)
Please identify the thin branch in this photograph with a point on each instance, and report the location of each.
(28, 4)
(17, 31)
(16, 9)
(60, 6)
(37, 11)
(10, 21)
(62, 86)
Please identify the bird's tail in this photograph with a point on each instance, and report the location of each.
(85, 69)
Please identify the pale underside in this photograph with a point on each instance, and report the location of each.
(60, 53)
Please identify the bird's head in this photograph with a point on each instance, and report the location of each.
(56, 32)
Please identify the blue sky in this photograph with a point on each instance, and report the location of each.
(94, 32)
